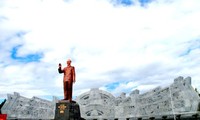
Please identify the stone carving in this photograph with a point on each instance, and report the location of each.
(35, 108)
(96, 104)
(179, 99)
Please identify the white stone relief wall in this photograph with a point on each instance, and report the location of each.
(96, 104)
(35, 108)
(179, 98)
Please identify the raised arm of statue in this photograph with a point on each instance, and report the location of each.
(60, 68)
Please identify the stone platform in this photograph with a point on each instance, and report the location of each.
(66, 110)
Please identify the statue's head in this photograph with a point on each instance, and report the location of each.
(69, 62)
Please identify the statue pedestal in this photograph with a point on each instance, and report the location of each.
(66, 110)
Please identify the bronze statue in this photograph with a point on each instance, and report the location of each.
(68, 79)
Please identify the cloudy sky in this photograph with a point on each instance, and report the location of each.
(115, 45)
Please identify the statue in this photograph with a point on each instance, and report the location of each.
(68, 79)
(67, 109)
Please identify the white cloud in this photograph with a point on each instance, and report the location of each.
(139, 46)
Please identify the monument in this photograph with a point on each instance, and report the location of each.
(68, 79)
(19, 107)
(67, 109)
(178, 100)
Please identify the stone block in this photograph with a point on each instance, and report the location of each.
(188, 81)
(67, 111)
(135, 92)
(178, 80)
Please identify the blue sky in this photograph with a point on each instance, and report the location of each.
(28, 58)
(115, 45)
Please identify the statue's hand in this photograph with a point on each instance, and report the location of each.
(59, 65)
